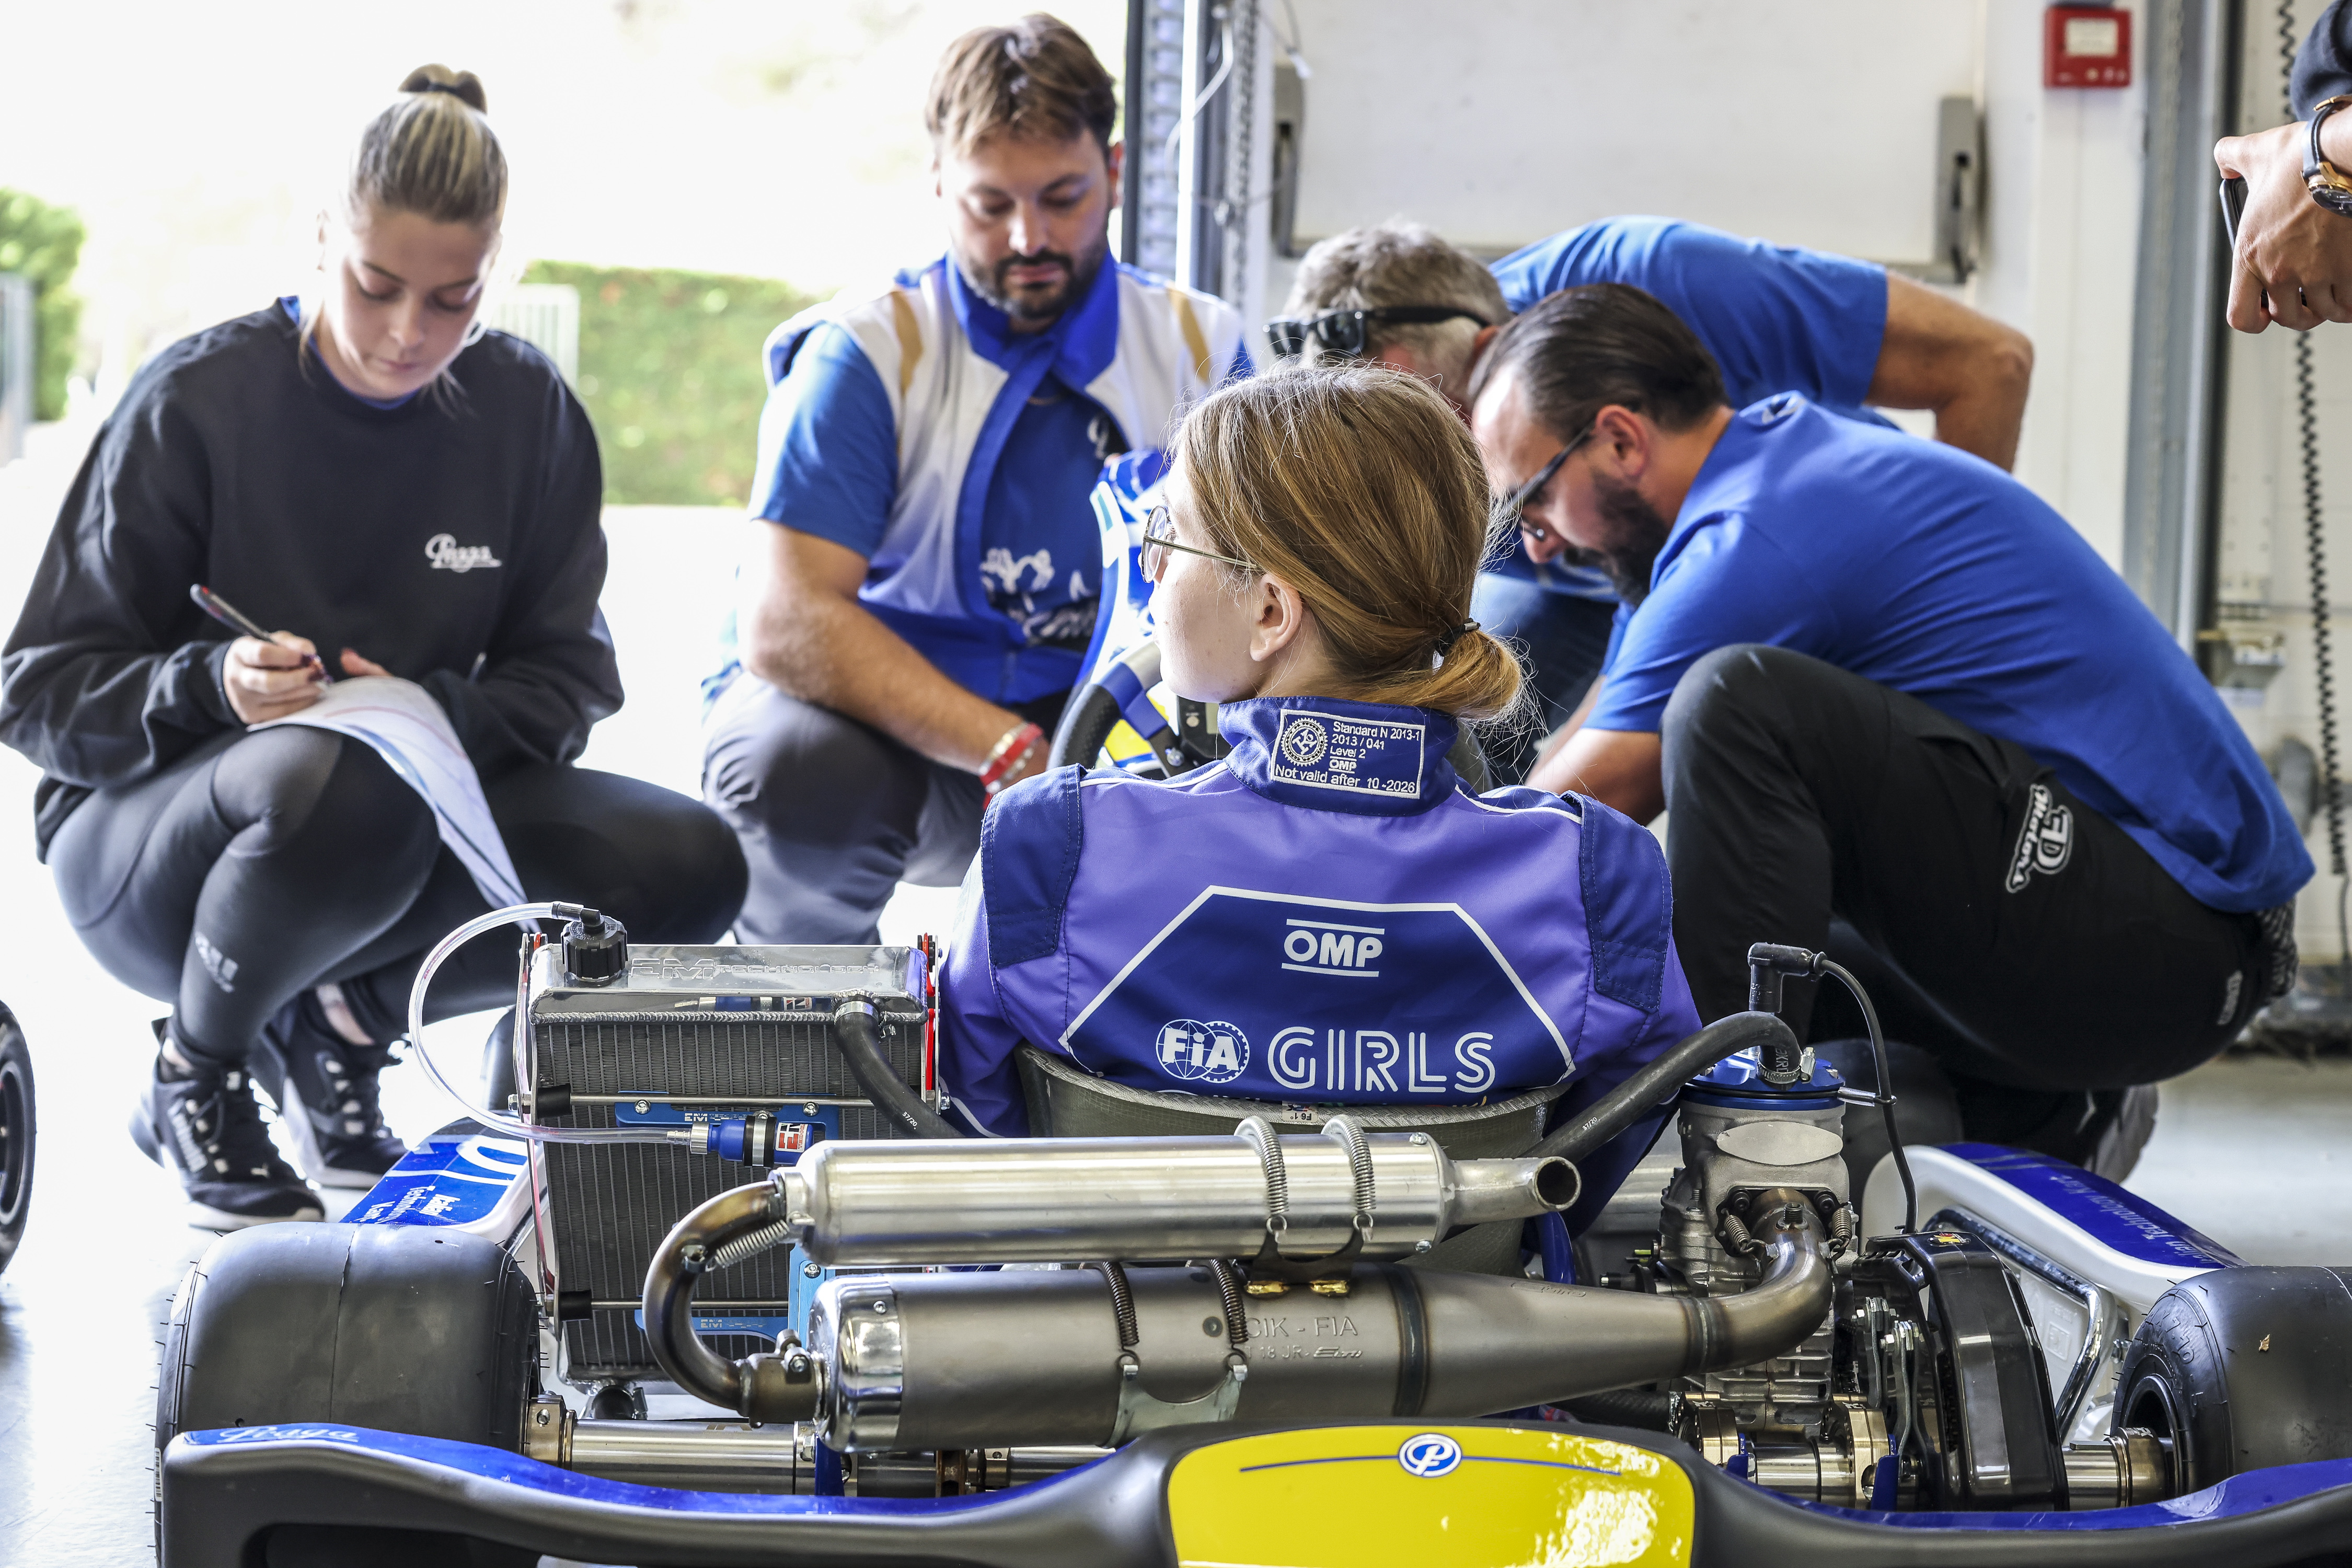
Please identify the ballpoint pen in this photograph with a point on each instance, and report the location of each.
(229, 615)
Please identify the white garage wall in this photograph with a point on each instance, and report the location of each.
(1502, 122)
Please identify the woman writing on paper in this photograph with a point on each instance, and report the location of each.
(419, 498)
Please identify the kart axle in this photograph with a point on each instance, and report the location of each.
(779, 1459)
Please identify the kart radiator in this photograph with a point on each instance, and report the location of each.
(686, 1035)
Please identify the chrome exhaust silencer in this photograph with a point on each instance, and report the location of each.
(1075, 1200)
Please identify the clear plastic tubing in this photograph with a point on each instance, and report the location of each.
(496, 1122)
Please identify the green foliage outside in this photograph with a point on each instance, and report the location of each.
(669, 372)
(44, 243)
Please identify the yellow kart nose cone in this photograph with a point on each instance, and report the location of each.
(1468, 1497)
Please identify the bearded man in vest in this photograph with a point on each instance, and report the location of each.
(923, 585)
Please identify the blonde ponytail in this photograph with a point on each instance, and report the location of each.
(432, 152)
(1360, 489)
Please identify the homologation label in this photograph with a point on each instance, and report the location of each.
(1369, 756)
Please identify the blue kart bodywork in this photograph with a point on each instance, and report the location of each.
(225, 1491)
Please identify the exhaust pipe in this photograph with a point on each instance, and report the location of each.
(967, 1360)
(1099, 1356)
(1070, 1200)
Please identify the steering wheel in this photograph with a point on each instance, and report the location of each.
(1123, 691)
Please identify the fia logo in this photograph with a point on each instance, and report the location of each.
(2045, 842)
(1203, 1053)
(1430, 1455)
(447, 555)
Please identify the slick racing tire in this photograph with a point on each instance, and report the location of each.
(15, 1135)
(433, 1333)
(2244, 1369)
(430, 1333)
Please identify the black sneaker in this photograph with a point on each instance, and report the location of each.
(207, 1127)
(325, 1088)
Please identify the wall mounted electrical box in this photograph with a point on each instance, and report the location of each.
(2086, 45)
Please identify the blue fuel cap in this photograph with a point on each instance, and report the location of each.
(1738, 1081)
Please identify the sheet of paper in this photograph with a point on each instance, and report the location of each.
(410, 732)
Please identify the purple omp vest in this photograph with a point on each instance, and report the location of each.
(1328, 916)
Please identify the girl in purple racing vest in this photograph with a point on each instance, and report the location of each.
(1328, 916)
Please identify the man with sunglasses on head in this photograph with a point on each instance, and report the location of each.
(1899, 710)
(925, 574)
(1848, 335)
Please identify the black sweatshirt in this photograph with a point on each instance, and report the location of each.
(454, 541)
(2322, 66)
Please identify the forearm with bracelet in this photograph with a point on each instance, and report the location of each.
(1008, 756)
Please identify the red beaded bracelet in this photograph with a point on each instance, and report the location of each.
(1010, 754)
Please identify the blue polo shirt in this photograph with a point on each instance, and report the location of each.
(1915, 565)
(1776, 318)
(1026, 604)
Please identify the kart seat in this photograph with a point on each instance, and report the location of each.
(1066, 1102)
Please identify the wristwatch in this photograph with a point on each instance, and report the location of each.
(2330, 186)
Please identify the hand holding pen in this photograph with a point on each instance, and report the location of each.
(269, 674)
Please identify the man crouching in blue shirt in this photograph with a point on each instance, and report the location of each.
(922, 586)
(1850, 335)
(1901, 711)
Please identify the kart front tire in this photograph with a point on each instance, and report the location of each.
(17, 1132)
(429, 1333)
(2244, 1369)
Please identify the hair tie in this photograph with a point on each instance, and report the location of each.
(450, 88)
(1447, 640)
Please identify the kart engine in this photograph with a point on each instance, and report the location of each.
(1148, 1283)
(1924, 1386)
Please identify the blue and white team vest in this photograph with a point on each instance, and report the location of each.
(1139, 347)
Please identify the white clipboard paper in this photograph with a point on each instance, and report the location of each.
(408, 729)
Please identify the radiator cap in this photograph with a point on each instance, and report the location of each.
(595, 949)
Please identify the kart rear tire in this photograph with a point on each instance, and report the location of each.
(17, 1135)
(2244, 1369)
(433, 1333)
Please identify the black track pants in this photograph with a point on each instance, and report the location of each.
(265, 863)
(2023, 939)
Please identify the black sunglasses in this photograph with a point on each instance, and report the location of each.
(1506, 513)
(1343, 332)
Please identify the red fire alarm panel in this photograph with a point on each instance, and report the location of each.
(2086, 45)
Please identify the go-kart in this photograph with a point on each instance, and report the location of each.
(862, 1342)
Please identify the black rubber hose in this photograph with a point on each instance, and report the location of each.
(1647, 1408)
(1659, 1081)
(860, 1040)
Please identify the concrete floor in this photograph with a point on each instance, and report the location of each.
(2244, 1151)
